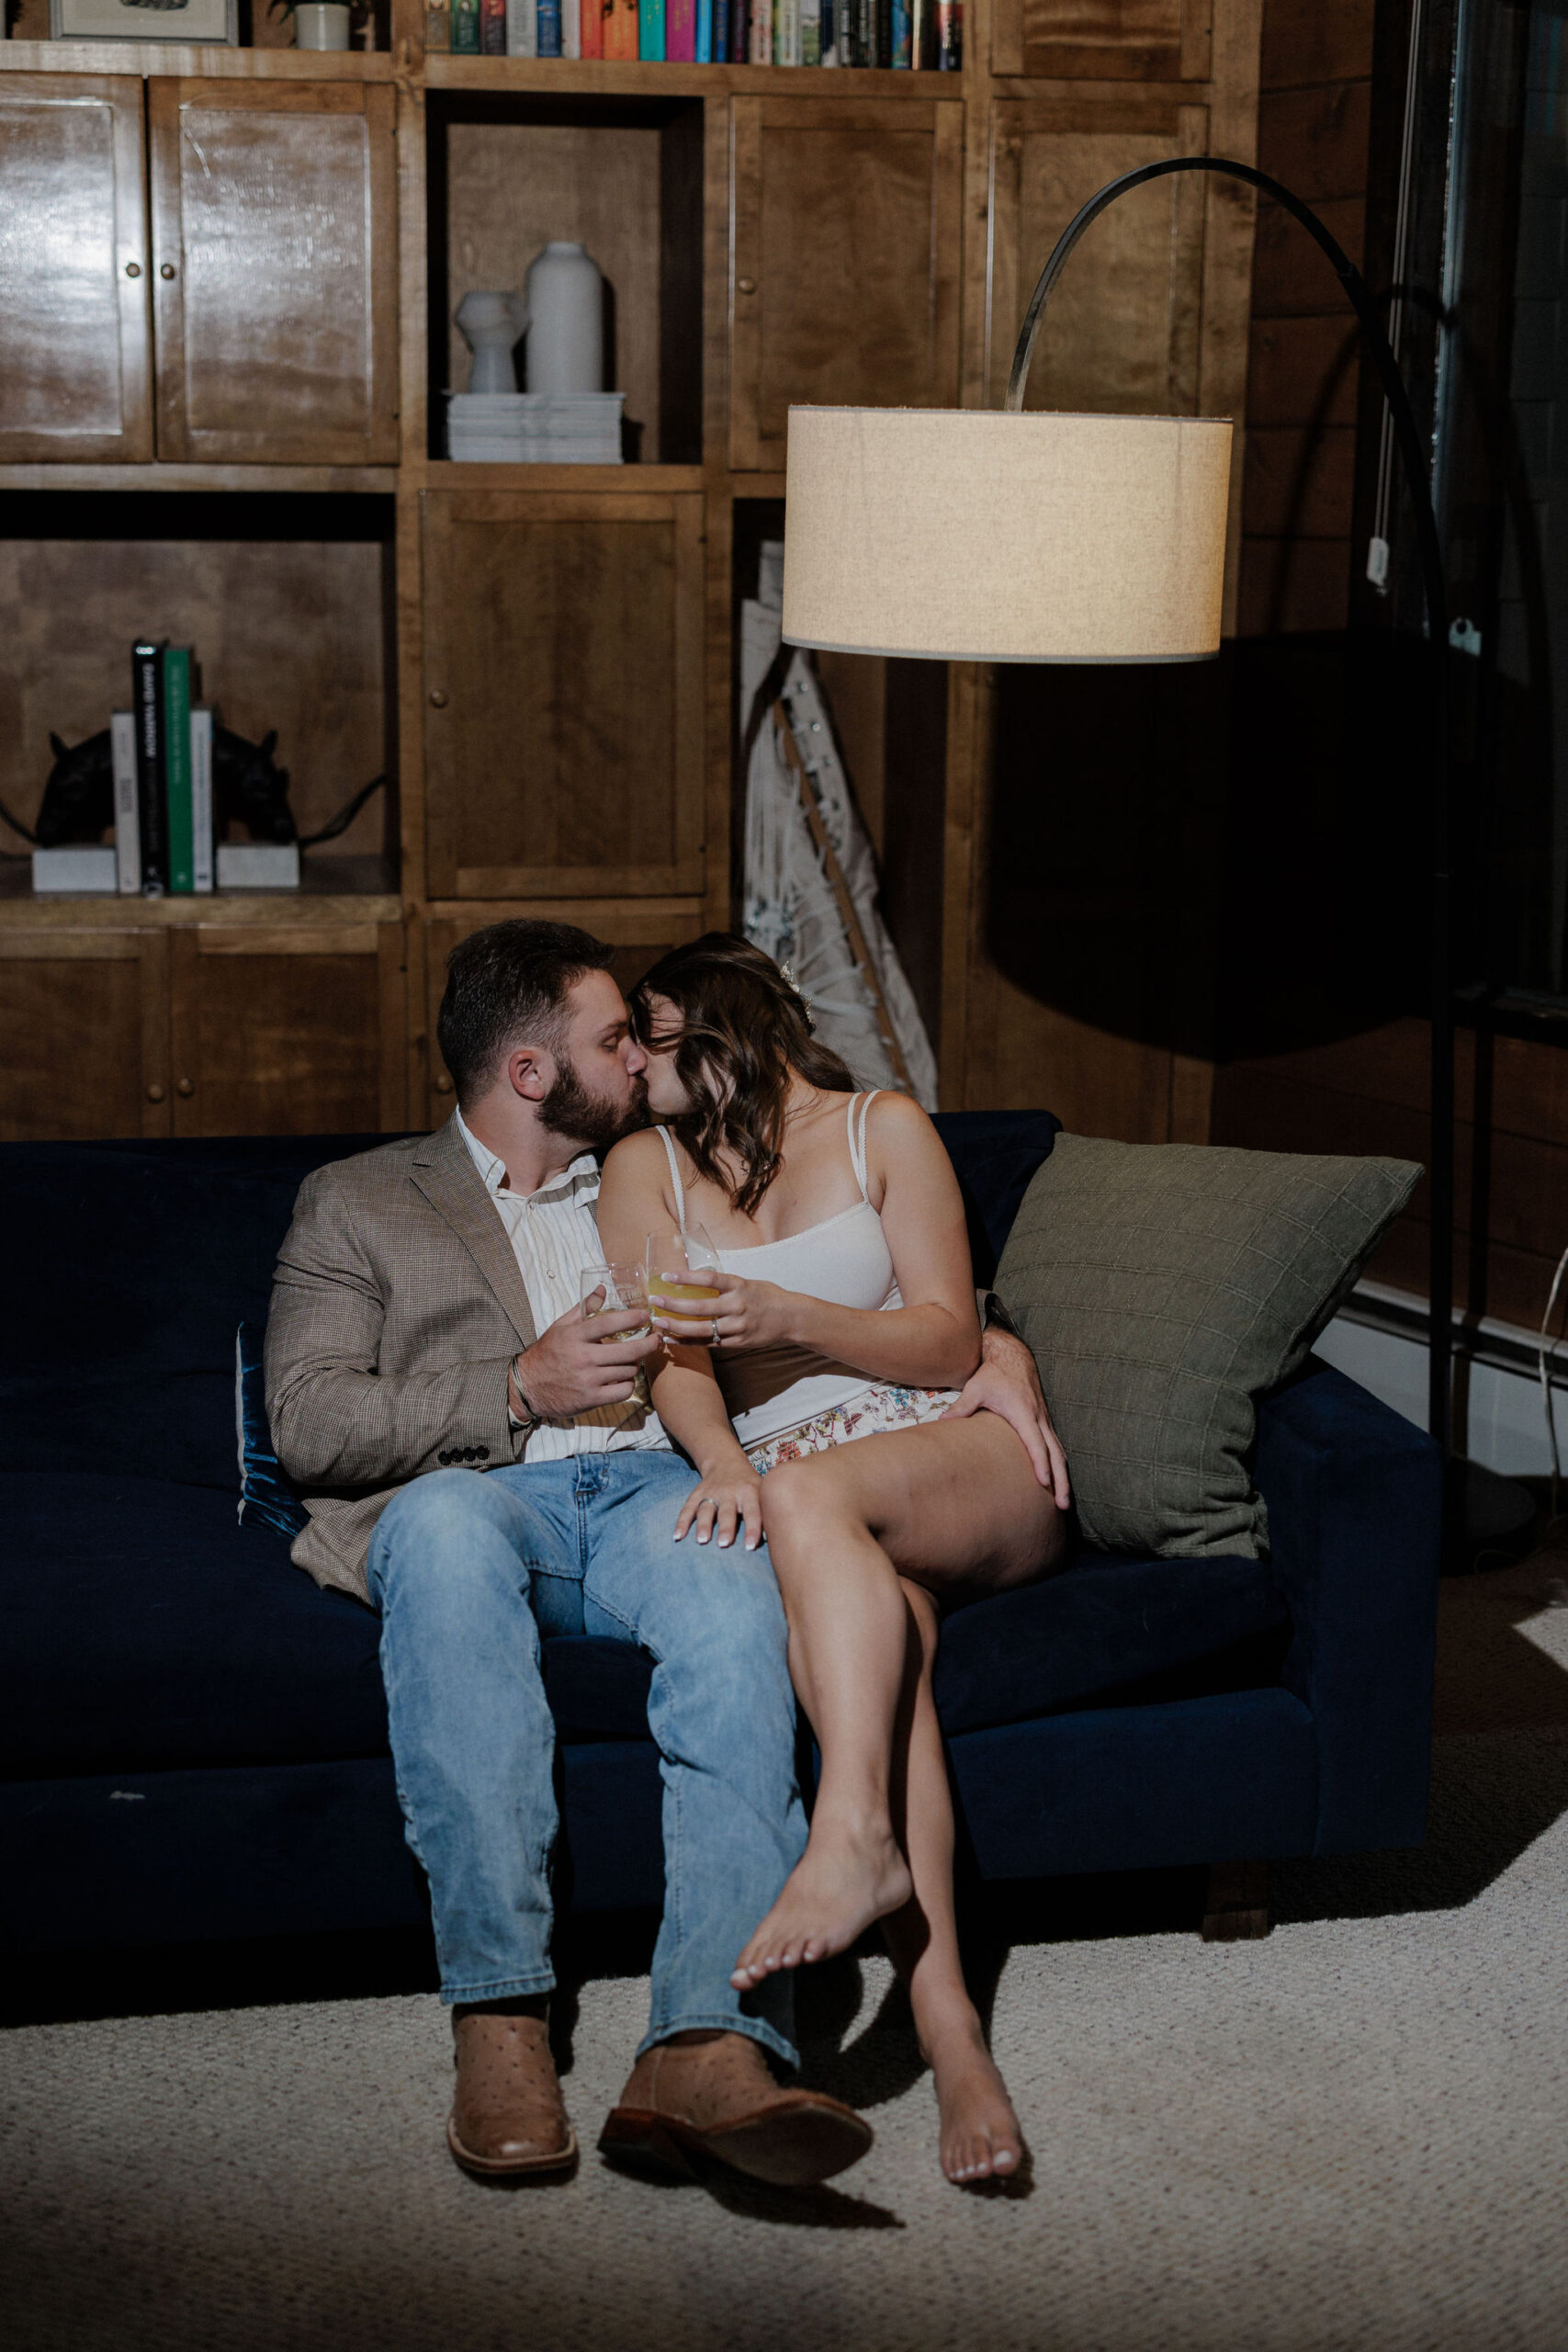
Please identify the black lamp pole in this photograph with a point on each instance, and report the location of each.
(1440, 1171)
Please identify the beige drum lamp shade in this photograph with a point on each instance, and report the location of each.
(969, 535)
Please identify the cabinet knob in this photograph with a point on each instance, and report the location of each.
(746, 286)
(167, 270)
(183, 1086)
(437, 698)
(133, 269)
(443, 1083)
(155, 1094)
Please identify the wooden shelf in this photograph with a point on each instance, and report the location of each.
(627, 481)
(359, 480)
(361, 895)
(202, 61)
(596, 77)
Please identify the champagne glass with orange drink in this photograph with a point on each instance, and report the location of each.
(682, 1269)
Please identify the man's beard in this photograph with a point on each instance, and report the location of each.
(592, 1120)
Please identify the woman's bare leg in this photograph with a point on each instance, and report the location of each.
(957, 1506)
(980, 2138)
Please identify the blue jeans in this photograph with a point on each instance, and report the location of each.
(468, 1570)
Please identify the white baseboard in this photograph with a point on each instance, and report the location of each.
(1499, 1415)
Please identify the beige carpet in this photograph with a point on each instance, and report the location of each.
(1354, 2134)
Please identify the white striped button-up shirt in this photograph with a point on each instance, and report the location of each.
(554, 1236)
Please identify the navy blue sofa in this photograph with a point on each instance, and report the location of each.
(193, 1737)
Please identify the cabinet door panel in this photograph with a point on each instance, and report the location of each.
(844, 260)
(638, 933)
(86, 1019)
(75, 346)
(1121, 334)
(273, 214)
(1103, 41)
(563, 694)
(294, 1030)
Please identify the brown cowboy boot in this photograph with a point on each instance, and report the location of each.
(508, 2115)
(717, 2100)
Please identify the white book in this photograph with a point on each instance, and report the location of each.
(127, 825)
(762, 34)
(258, 865)
(789, 32)
(522, 29)
(572, 27)
(76, 869)
(200, 797)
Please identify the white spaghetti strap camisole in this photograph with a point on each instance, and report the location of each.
(845, 1259)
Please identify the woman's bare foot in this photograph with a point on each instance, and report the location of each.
(980, 2139)
(839, 1886)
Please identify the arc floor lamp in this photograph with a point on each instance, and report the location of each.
(985, 535)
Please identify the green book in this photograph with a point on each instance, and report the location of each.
(176, 767)
(465, 28)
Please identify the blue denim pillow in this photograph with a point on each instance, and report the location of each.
(266, 1498)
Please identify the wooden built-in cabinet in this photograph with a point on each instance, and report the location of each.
(75, 337)
(846, 243)
(142, 1022)
(273, 231)
(227, 277)
(563, 668)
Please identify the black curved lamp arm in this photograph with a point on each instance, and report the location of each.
(1440, 1172)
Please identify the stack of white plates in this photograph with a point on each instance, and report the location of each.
(534, 428)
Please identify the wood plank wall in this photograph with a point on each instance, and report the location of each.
(1305, 1074)
(1313, 115)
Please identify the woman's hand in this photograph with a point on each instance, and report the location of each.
(728, 1501)
(734, 1315)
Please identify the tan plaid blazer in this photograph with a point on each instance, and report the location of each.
(397, 1306)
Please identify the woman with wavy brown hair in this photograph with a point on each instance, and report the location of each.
(843, 1309)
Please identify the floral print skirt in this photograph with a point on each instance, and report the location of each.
(868, 1415)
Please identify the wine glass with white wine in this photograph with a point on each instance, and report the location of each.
(682, 1270)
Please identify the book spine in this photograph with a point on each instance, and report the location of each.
(950, 36)
(740, 31)
(828, 31)
(920, 57)
(177, 766)
(762, 32)
(883, 33)
(492, 27)
(127, 832)
(681, 33)
(590, 28)
(789, 37)
(704, 32)
(201, 799)
(438, 29)
(900, 37)
(650, 31)
(621, 28)
(465, 28)
(522, 35)
(548, 27)
(147, 695)
(811, 33)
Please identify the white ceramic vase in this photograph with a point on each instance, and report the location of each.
(321, 24)
(490, 324)
(566, 321)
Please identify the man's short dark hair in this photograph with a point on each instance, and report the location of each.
(507, 985)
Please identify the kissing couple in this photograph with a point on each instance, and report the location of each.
(775, 1491)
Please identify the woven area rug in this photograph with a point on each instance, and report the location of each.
(1352, 2134)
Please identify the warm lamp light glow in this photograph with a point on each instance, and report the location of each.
(971, 535)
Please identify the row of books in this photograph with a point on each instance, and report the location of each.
(906, 35)
(163, 777)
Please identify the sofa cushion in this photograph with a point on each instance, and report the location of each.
(1164, 1288)
(1104, 1632)
(146, 1630)
(133, 1264)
